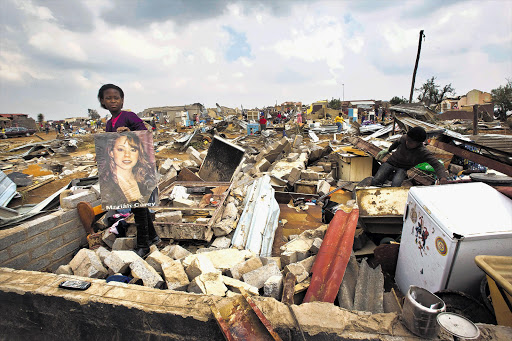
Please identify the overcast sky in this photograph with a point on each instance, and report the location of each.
(55, 54)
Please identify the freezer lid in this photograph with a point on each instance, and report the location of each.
(466, 209)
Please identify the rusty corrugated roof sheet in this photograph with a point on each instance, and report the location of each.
(495, 141)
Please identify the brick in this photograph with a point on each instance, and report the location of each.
(87, 264)
(127, 243)
(262, 165)
(297, 141)
(74, 233)
(4, 255)
(47, 248)
(67, 249)
(148, 275)
(269, 260)
(41, 224)
(102, 253)
(63, 228)
(309, 175)
(38, 264)
(28, 244)
(288, 257)
(176, 251)
(119, 261)
(194, 155)
(108, 238)
(209, 284)
(156, 259)
(64, 270)
(71, 201)
(236, 285)
(294, 176)
(18, 262)
(315, 247)
(225, 259)
(221, 242)
(199, 265)
(308, 263)
(66, 216)
(175, 276)
(12, 236)
(258, 277)
(273, 287)
(298, 270)
(249, 265)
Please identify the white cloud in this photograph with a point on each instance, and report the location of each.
(208, 54)
(38, 12)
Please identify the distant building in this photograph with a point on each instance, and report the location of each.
(172, 114)
(17, 120)
(474, 97)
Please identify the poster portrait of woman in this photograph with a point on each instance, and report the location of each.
(126, 169)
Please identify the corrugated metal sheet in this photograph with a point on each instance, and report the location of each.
(7, 189)
(495, 141)
(257, 225)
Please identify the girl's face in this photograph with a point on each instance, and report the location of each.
(125, 155)
(112, 100)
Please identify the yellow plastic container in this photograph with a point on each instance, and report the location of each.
(499, 276)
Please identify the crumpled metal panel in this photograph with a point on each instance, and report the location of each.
(257, 224)
(7, 189)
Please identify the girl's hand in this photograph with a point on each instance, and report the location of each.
(121, 129)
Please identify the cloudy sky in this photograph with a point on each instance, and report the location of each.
(55, 54)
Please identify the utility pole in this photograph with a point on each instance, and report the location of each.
(343, 92)
(416, 65)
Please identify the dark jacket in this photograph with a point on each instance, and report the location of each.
(407, 158)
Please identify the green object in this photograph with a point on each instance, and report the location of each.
(426, 167)
(382, 153)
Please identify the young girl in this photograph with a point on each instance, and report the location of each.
(111, 98)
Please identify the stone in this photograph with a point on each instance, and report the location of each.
(322, 188)
(64, 270)
(221, 242)
(169, 217)
(230, 211)
(156, 259)
(200, 264)
(108, 238)
(148, 275)
(209, 284)
(298, 270)
(273, 287)
(315, 247)
(309, 175)
(258, 277)
(224, 227)
(292, 157)
(119, 261)
(175, 251)
(249, 265)
(71, 201)
(236, 285)
(126, 243)
(297, 141)
(288, 257)
(225, 259)
(194, 155)
(298, 244)
(269, 260)
(294, 176)
(175, 276)
(262, 166)
(308, 263)
(165, 166)
(183, 203)
(102, 253)
(87, 264)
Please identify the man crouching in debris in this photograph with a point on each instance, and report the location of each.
(410, 151)
(111, 98)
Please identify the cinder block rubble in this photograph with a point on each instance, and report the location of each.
(87, 264)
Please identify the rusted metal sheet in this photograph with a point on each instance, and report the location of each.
(483, 160)
(187, 175)
(332, 258)
(222, 160)
(382, 201)
(241, 319)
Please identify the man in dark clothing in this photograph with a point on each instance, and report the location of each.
(410, 151)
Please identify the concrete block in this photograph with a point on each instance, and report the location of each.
(292, 157)
(96, 190)
(194, 155)
(288, 257)
(209, 284)
(297, 141)
(64, 270)
(249, 265)
(230, 211)
(41, 224)
(309, 175)
(119, 261)
(323, 187)
(108, 238)
(224, 227)
(102, 253)
(199, 265)
(175, 275)
(293, 236)
(269, 260)
(87, 264)
(175, 251)
(71, 201)
(183, 203)
(226, 259)
(298, 270)
(294, 176)
(126, 243)
(302, 244)
(235, 285)
(148, 275)
(221, 242)
(203, 221)
(302, 254)
(156, 259)
(169, 217)
(315, 247)
(273, 287)
(165, 166)
(308, 263)
(258, 277)
(262, 166)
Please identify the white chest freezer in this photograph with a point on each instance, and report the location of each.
(444, 228)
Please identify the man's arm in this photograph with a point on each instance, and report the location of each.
(438, 166)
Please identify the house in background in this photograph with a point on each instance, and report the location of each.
(17, 120)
